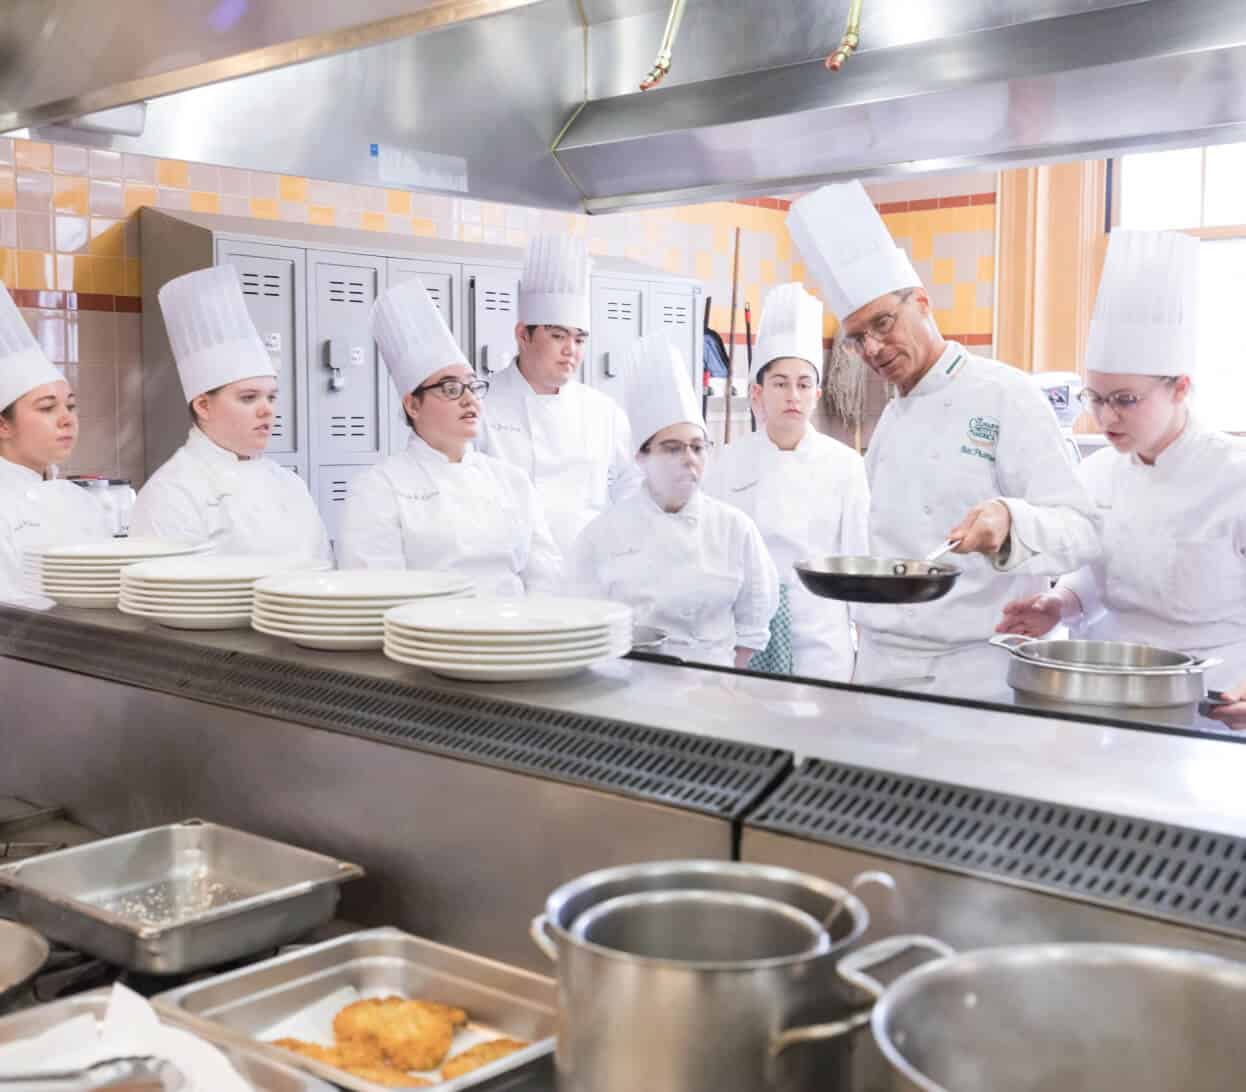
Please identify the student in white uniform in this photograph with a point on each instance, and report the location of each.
(440, 504)
(38, 430)
(687, 563)
(806, 492)
(571, 441)
(218, 487)
(1171, 491)
(970, 451)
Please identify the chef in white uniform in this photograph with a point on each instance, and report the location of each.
(440, 504)
(969, 451)
(38, 430)
(806, 492)
(571, 441)
(688, 564)
(1171, 491)
(218, 487)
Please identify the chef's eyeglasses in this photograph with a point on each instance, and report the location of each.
(676, 448)
(452, 389)
(1119, 401)
(878, 327)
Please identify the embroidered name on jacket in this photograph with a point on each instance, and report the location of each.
(499, 426)
(983, 437)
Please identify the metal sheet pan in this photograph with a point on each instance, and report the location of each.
(500, 1000)
(176, 898)
(265, 1074)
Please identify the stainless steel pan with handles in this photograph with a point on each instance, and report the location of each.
(854, 579)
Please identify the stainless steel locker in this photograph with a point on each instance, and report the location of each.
(493, 304)
(272, 286)
(618, 320)
(332, 485)
(675, 312)
(344, 371)
(442, 282)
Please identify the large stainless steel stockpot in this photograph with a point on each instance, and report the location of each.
(632, 1021)
(1104, 672)
(1056, 1018)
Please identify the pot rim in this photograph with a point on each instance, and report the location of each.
(1020, 652)
(911, 983)
(852, 906)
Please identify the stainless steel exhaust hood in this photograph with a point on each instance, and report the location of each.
(534, 101)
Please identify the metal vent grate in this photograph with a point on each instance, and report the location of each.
(1136, 865)
(279, 426)
(343, 427)
(250, 284)
(347, 292)
(495, 300)
(674, 314)
(338, 491)
(702, 774)
(619, 310)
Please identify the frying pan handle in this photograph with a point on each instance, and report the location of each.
(1009, 641)
(852, 970)
(540, 937)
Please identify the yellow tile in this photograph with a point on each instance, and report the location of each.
(35, 269)
(137, 197)
(373, 221)
(109, 276)
(398, 202)
(703, 266)
(107, 238)
(133, 277)
(965, 299)
(8, 266)
(768, 275)
(944, 271)
(986, 268)
(674, 260)
(983, 320)
(292, 189)
(800, 273)
(923, 246)
(320, 214)
(205, 202)
(69, 194)
(946, 321)
(783, 246)
(173, 172)
(8, 188)
(720, 318)
(829, 324)
(471, 233)
(723, 239)
(265, 208)
(421, 226)
(32, 155)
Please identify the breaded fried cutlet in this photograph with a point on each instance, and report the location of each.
(479, 1055)
(456, 1016)
(387, 1075)
(410, 1033)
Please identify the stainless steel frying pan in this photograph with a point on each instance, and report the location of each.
(877, 579)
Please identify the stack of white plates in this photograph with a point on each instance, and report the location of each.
(210, 591)
(89, 574)
(343, 610)
(504, 640)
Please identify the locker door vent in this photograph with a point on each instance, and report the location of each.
(272, 284)
(279, 426)
(337, 491)
(674, 314)
(497, 300)
(347, 292)
(619, 310)
(250, 283)
(343, 426)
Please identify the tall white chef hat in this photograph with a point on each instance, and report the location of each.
(847, 247)
(791, 325)
(413, 336)
(1147, 308)
(659, 388)
(23, 365)
(213, 338)
(553, 290)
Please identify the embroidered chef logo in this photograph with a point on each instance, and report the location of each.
(499, 426)
(983, 437)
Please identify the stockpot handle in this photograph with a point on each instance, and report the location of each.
(1010, 641)
(538, 931)
(1205, 665)
(851, 969)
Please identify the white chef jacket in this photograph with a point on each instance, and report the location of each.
(1173, 570)
(245, 506)
(480, 517)
(34, 513)
(972, 430)
(575, 447)
(807, 503)
(701, 574)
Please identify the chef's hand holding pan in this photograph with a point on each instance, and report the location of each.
(1233, 710)
(1032, 617)
(984, 530)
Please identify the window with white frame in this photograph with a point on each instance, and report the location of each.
(1203, 191)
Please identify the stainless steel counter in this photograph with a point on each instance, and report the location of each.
(1161, 772)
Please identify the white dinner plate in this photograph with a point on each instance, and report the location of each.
(122, 550)
(69, 600)
(333, 606)
(174, 607)
(188, 594)
(606, 651)
(499, 641)
(218, 569)
(57, 582)
(37, 566)
(297, 618)
(190, 621)
(391, 584)
(486, 673)
(323, 643)
(535, 614)
(280, 629)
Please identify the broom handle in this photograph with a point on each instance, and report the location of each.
(735, 285)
